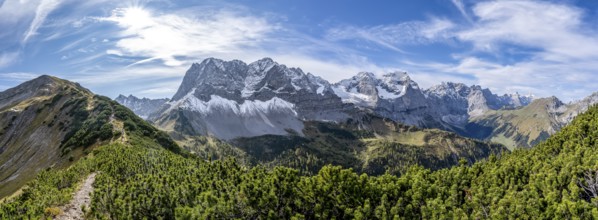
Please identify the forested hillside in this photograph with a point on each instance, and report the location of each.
(556, 179)
(371, 145)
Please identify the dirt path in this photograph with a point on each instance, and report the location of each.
(118, 126)
(82, 197)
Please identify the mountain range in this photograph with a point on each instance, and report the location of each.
(232, 99)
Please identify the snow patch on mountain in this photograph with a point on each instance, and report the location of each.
(247, 108)
(228, 119)
(354, 97)
(385, 94)
(365, 89)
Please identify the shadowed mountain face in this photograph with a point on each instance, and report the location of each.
(50, 122)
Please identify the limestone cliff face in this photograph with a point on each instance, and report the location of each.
(230, 99)
(143, 107)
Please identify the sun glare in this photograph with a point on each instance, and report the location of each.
(135, 17)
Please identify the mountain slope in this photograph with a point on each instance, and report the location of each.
(527, 126)
(371, 145)
(394, 96)
(49, 122)
(143, 107)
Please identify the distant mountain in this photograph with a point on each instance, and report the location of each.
(447, 106)
(143, 107)
(230, 99)
(473, 100)
(49, 122)
(394, 96)
(527, 126)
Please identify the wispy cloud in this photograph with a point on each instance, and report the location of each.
(156, 81)
(19, 76)
(166, 36)
(558, 30)
(461, 7)
(557, 49)
(395, 35)
(11, 78)
(143, 47)
(8, 58)
(42, 11)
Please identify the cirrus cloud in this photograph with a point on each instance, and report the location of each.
(166, 36)
(537, 46)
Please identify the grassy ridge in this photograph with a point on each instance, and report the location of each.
(525, 127)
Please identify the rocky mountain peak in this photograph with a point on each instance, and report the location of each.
(212, 75)
(396, 77)
(143, 107)
(266, 61)
(449, 89)
(365, 76)
(41, 86)
(551, 102)
(399, 83)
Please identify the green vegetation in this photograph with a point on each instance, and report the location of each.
(42, 196)
(524, 127)
(551, 181)
(391, 148)
(57, 127)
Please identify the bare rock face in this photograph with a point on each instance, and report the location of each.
(143, 107)
(294, 96)
(229, 99)
(393, 96)
(575, 108)
(455, 103)
(447, 106)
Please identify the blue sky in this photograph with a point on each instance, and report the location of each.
(144, 47)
